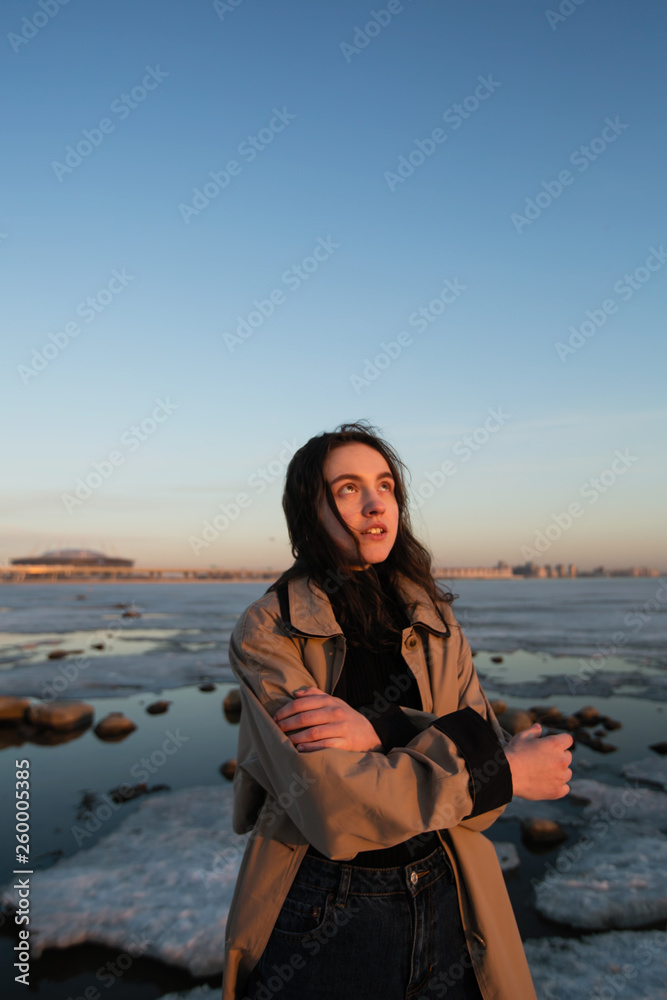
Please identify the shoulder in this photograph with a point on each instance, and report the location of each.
(264, 613)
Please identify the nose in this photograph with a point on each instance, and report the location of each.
(374, 505)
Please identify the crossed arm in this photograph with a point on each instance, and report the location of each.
(315, 720)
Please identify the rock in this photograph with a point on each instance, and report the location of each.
(508, 856)
(610, 724)
(652, 770)
(165, 876)
(131, 614)
(615, 879)
(80, 597)
(515, 720)
(12, 710)
(659, 747)
(496, 659)
(588, 716)
(619, 965)
(641, 805)
(125, 793)
(158, 707)
(568, 722)
(599, 733)
(232, 702)
(207, 686)
(499, 707)
(546, 713)
(57, 654)
(228, 769)
(61, 715)
(98, 645)
(51, 737)
(600, 746)
(114, 726)
(537, 830)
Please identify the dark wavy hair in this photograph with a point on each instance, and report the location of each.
(360, 599)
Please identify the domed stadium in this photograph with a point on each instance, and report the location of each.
(72, 557)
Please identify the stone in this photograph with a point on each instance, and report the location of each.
(113, 726)
(61, 715)
(515, 720)
(614, 878)
(499, 706)
(228, 769)
(57, 654)
(232, 702)
(546, 713)
(496, 659)
(12, 710)
(619, 965)
(537, 830)
(610, 724)
(207, 686)
(567, 722)
(659, 747)
(158, 707)
(588, 716)
(164, 876)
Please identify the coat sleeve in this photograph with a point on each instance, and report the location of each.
(354, 801)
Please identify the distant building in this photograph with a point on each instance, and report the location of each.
(71, 557)
(533, 571)
(499, 572)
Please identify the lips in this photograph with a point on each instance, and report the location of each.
(378, 529)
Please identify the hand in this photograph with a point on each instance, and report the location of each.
(540, 767)
(328, 722)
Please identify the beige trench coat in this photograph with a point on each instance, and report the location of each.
(345, 801)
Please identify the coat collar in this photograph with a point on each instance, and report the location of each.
(310, 611)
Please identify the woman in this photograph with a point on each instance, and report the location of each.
(369, 759)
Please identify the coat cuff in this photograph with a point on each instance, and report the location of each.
(394, 728)
(490, 775)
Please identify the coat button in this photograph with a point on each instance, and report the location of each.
(412, 642)
(414, 878)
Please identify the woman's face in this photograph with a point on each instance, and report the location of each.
(363, 488)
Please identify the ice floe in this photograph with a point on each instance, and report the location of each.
(508, 856)
(106, 676)
(612, 877)
(630, 964)
(652, 770)
(162, 881)
(638, 805)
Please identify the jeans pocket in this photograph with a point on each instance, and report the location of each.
(303, 912)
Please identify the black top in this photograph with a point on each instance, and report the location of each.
(375, 682)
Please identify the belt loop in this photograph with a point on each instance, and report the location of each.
(343, 885)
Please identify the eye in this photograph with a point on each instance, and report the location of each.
(388, 486)
(347, 486)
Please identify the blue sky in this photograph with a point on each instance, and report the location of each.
(247, 312)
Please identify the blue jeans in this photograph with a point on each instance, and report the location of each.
(350, 932)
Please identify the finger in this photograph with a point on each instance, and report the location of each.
(530, 734)
(293, 707)
(306, 690)
(318, 732)
(318, 745)
(302, 719)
